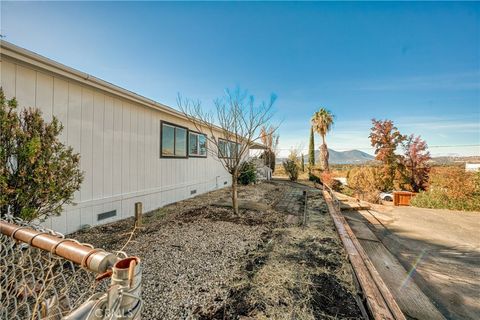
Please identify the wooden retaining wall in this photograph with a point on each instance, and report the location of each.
(379, 300)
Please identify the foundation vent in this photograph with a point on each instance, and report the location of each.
(106, 215)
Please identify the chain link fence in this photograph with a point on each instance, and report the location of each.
(44, 275)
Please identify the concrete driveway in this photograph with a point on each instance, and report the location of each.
(440, 248)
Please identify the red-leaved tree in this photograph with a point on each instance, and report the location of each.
(385, 138)
(416, 158)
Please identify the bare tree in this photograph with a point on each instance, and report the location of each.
(231, 128)
(270, 140)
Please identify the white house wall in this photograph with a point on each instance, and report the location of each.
(119, 144)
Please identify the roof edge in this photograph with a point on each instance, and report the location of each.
(10, 50)
(18, 53)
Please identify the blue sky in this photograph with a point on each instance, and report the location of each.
(415, 63)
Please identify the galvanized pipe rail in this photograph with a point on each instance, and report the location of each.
(379, 299)
(121, 301)
(96, 260)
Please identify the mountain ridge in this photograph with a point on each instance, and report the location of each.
(341, 157)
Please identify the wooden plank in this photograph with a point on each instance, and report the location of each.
(410, 298)
(379, 299)
(361, 231)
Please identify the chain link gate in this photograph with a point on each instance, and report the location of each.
(44, 275)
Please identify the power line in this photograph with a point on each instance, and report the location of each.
(372, 148)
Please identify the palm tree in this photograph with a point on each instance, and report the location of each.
(322, 122)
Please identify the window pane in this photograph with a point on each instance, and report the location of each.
(222, 151)
(233, 151)
(167, 140)
(180, 142)
(193, 143)
(203, 144)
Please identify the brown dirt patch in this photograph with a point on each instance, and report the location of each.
(201, 261)
(330, 298)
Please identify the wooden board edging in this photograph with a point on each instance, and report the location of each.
(379, 299)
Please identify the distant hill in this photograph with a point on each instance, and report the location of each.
(346, 157)
(341, 157)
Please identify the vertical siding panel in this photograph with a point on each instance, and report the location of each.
(141, 156)
(44, 95)
(156, 149)
(86, 217)
(86, 162)
(156, 129)
(25, 86)
(74, 116)
(134, 141)
(98, 136)
(73, 220)
(108, 148)
(118, 145)
(59, 223)
(149, 134)
(8, 78)
(74, 121)
(125, 150)
(60, 105)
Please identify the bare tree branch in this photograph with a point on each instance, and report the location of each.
(232, 129)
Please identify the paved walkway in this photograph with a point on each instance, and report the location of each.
(441, 248)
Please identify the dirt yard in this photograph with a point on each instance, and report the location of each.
(202, 262)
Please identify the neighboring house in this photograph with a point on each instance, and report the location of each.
(342, 180)
(132, 149)
(264, 172)
(475, 167)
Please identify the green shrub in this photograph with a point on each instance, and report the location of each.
(291, 168)
(451, 188)
(313, 178)
(38, 173)
(248, 173)
(437, 199)
(347, 191)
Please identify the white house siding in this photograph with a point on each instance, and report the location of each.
(119, 143)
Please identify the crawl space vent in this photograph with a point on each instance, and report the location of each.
(106, 215)
(193, 191)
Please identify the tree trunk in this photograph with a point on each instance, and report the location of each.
(324, 156)
(234, 195)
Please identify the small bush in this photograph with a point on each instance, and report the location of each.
(38, 173)
(291, 168)
(248, 173)
(328, 179)
(336, 185)
(365, 182)
(347, 191)
(451, 188)
(314, 178)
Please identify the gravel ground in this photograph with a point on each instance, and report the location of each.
(192, 251)
(202, 262)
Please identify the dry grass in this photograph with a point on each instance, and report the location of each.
(297, 272)
(252, 265)
(283, 286)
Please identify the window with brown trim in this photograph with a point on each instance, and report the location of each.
(226, 148)
(173, 141)
(197, 144)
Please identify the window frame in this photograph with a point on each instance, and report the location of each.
(198, 144)
(227, 143)
(174, 140)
